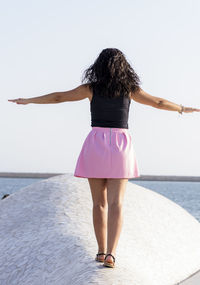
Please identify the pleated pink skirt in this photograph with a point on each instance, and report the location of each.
(107, 153)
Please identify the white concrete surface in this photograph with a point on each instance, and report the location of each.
(194, 279)
(47, 237)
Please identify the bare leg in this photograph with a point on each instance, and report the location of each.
(99, 197)
(115, 194)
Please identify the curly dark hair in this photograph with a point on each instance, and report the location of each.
(111, 74)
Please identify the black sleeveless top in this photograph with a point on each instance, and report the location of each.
(109, 112)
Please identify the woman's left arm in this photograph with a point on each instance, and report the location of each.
(79, 93)
(143, 97)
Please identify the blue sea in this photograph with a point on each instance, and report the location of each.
(186, 194)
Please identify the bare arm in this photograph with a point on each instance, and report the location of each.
(143, 97)
(79, 93)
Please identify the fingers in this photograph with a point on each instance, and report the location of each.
(195, 109)
(19, 101)
(189, 110)
(14, 100)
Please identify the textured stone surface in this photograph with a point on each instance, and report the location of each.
(47, 237)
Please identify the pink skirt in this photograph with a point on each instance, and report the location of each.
(107, 153)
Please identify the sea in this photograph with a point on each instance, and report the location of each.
(185, 194)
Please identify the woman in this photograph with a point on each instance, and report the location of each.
(107, 156)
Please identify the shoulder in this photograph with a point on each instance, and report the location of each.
(86, 88)
(134, 95)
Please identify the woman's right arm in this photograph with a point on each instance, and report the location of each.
(79, 93)
(143, 97)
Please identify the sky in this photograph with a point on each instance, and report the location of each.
(47, 45)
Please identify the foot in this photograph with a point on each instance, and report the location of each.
(100, 257)
(109, 260)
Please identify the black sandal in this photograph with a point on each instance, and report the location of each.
(109, 264)
(97, 256)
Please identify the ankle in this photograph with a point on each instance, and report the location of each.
(111, 252)
(101, 250)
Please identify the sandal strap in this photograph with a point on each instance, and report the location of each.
(109, 254)
(101, 253)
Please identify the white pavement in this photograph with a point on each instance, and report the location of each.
(47, 237)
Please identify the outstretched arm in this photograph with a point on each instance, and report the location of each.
(143, 97)
(78, 93)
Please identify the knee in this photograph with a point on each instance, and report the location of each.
(115, 206)
(99, 206)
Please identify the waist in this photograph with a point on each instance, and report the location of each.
(109, 124)
(108, 129)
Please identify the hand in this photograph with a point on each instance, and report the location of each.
(19, 101)
(189, 110)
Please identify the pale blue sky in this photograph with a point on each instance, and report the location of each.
(46, 46)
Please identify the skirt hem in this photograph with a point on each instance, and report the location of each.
(81, 176)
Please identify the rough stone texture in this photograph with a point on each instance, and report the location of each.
(47, 237)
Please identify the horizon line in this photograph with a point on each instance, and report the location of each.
(142, 177)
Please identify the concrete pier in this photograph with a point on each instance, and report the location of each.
(47, 237)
